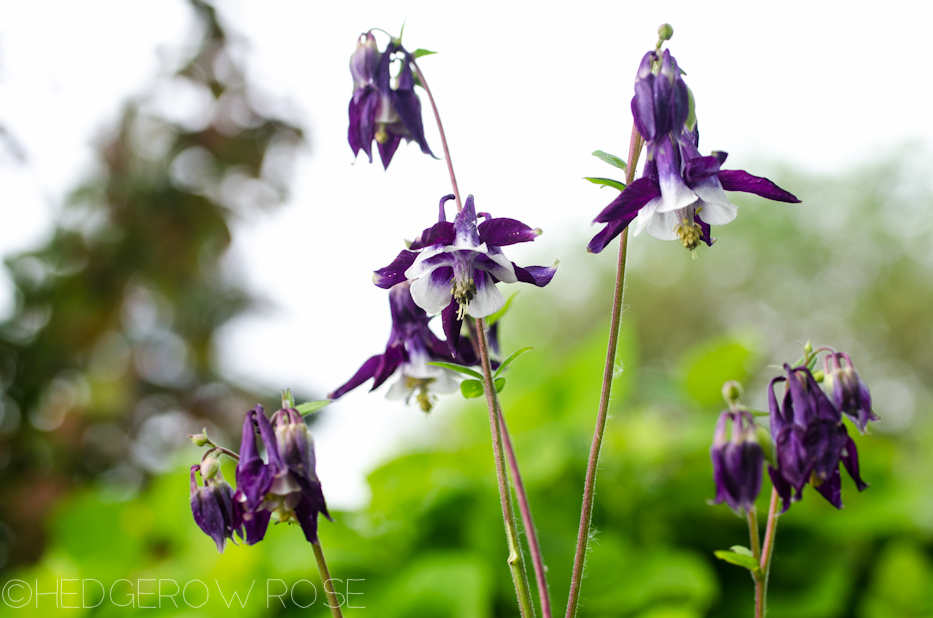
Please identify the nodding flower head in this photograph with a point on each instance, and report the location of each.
(810, 440)
(383, 108)
(212, 504)
(285, 483)
(681, 193)
(411, 346)
(848, 391)
(454, 267)
(737, 460)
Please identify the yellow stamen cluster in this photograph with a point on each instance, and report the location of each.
(419, 388)
(463, 292)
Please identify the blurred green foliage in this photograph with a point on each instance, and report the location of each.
(107, 359)
(851, 267)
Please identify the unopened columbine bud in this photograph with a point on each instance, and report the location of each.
(210, 466)
(199, 439)
(849, 393)
(364, 63)
(732, 392)
(665, 32)
(737, 460)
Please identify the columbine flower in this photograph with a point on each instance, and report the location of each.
(737, 462)
(810, 440)
(681, 193)
(848, 391)
(411, 346)
(213, 507)
(285, 484)
(455, 267)
(377, 110)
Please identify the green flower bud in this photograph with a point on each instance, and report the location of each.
(209, 468)
(199, 439)
(732, 392)
(665, 32)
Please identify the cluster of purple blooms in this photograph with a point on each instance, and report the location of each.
(283, 484)
(808, 437)
(681, 193)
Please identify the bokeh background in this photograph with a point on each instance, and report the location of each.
(185, 235)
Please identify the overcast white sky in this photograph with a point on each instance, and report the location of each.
(526, 96)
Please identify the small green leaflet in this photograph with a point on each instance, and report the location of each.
(506, 362)
(459, 368)
(606, 182)
(472, 389)
(422, 52)
(610, 159)
(310, 407)
(692, 107)
(739, 556)
(495, 317)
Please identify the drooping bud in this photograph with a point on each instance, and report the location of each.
(210, 466)
(737, 460)
(849, 393)
(214, 510)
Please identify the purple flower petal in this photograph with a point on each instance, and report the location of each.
(466, 232)
(441, 233)
(700, 168)
(452, 327)
(607, 234)
(850, 461)
(629, 201)
(362, 111)
(536, 275)
(364, 373)
(740, 180)
(831, 489)
(503, 231)
(388, 363)
(783, 488)
(387, 148)
(394, 273)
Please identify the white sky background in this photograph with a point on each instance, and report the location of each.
(525, 96)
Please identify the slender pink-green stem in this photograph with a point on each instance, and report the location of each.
(524, 508)
(761, 596)
(752, 515)
(440, 128)
(332, 600)
(500, 445)
(589, 488)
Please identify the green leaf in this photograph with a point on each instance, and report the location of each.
(471, 389)
(495, 317)
(500, 384)
(742, 550)
(460, 369)
(738, 559)
(608, 182)
(422, 52)
(288, 400)
(610, 159)
(506, 362)
(309, 407)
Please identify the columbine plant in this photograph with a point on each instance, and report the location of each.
(807, 443)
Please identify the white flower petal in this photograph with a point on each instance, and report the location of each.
(645, 214)
(431, 295)
(487, 300)
(419, 268)
(675, 194)
(716, 207)
(662, 224)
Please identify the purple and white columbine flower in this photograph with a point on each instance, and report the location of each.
(810, 440)
(286, 483)
(377, 110)
(213, 508)
(454, 267)
(737, 461)
(411, 346)
(848, 391)
(681, 193)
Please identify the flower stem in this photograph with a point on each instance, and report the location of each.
(325, 580)
(528, 522)
(586, 514)
(516, 559)
(752, 514)
(440, 128)
(766, 552)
